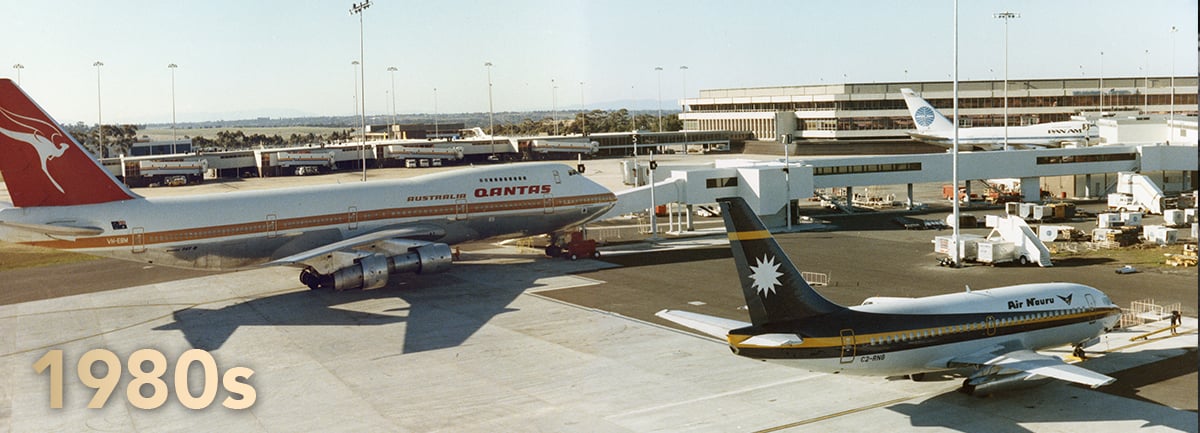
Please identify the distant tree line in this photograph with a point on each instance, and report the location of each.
(595, 121)
(118, 139)
(234, 140)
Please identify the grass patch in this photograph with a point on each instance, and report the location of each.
(1140, 256)
(15, 256)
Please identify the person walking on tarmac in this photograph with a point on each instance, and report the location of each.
(1176, 321)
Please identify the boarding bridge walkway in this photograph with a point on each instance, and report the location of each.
(767, 186)
(639, 199)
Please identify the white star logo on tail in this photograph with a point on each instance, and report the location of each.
(765, 275)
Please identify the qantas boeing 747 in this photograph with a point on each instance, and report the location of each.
(348, 236)
(995, 331)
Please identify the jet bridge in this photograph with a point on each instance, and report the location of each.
(765, 186)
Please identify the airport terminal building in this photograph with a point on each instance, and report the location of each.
(876, 111)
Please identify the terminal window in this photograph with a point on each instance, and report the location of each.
(866, 168)
(1086, 158)
(721, 182)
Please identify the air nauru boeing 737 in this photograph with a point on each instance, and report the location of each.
(934, 128)
(347, 236)
(996, 331)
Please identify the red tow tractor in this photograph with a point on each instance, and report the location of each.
(574, 248)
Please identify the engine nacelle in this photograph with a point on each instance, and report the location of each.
(371, 272)
(986, 385)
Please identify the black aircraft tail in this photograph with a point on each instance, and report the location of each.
(775, 292)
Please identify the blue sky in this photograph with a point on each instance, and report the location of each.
(289, 58)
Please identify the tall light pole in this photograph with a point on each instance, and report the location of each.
(173, 135)
(436, 132)
(1172, 117)
(357, 9)
(1146, 82)
(955, 256)
(1006, 16)
(683, 107)
(393, 70)
(491, 124)
(99, 111)
(659, 70)
(583, 108)
(554, 105)
(18, 67)
(1101, 84)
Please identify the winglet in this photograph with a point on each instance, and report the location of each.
(774, 290)
(925, 117)
(42, 165)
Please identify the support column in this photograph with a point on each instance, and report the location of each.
(1031, 189)
(690, 226)
(1087, 185)
(968, 191)
(849, 199)
(908, 204)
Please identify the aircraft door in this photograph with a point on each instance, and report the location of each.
(990, 325)
(548, 203)
(460, 209)
(352, 218)
(848, 349)
(137, 238)
(272, 226)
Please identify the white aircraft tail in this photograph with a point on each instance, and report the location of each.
(924, 116)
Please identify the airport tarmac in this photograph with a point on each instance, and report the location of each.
(508, 340)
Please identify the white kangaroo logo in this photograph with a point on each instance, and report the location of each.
(46, 147)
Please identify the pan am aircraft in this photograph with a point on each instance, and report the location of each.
(995, 331)
(934, 128)
(348, 236)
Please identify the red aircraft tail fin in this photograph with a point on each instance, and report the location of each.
(42, 164)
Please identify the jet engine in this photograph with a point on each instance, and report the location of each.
(986, 385)
(371, 272)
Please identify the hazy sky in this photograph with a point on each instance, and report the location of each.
(241, 59)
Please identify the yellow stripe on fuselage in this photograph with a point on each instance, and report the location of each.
(749, 236)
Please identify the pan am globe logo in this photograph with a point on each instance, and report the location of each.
(924, 116)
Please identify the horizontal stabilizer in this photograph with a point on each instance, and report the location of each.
(711, 325)
(55, 230)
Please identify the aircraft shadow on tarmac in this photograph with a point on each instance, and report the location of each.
(1054, 402)
(442, 310)
(662, 257)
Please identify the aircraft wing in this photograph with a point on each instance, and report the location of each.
(415, 234)
(1036, 363)
(711, 325)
